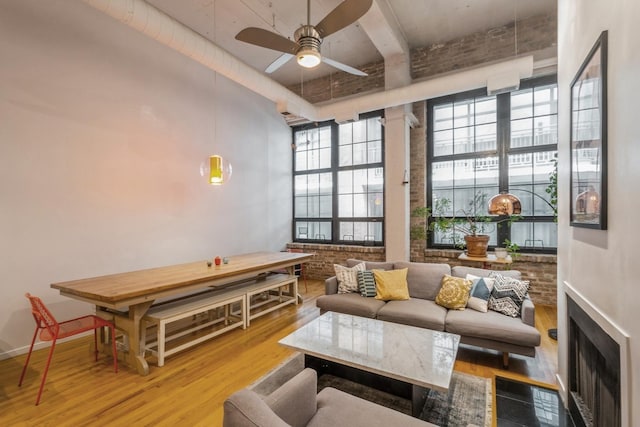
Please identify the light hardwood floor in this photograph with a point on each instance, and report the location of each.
(190, 389)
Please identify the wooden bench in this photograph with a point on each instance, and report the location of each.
(271, 288)
(169, 314)
(182, 319)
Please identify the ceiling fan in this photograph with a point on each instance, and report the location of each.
(308, 38)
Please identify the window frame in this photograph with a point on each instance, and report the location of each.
(335, 220)
(502, 152)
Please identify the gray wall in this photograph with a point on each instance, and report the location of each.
(102, 132)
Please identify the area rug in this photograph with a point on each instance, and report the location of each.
(467, 404)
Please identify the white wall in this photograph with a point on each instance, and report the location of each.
(102, 132)
(602, 265)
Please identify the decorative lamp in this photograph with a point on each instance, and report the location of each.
(505, 204)
(216, 170)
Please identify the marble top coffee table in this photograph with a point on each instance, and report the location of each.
(416, 357)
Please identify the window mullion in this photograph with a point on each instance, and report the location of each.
(335, 160)
(503, 126)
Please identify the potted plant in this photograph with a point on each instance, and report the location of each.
(471, 222)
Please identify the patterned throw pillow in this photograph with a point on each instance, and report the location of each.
(480, 293)
(507, 294)
(391, 285)
(454, 292)
(367, 283)
(348, 277)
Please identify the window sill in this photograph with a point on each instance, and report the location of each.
(336, 247)
(521, 256)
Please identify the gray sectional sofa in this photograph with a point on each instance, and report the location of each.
(490, 330)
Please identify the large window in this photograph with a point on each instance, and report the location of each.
(338, 186)
(480, 145)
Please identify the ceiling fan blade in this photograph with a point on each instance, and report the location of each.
(343, 67)
(268, 39)
(346, 13)
(279, 62)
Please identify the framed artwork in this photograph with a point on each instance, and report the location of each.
(589, 140)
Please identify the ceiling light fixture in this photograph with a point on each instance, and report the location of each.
(308, 57)
(309, 40)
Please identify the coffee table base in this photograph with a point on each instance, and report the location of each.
(417, 394)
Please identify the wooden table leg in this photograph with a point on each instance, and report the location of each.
(132, 326)
(292, 272)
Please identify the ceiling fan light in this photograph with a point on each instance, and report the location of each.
(308, 57)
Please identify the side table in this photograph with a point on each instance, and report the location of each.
(487, 260)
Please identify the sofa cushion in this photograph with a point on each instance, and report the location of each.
(337, 408)
(461, 271)
(348, 277)
(367, 283)
(424, 279)
(371, 265)
(415, 312)
(391, 285)
(480, 293)
(507, 294)
(353, 304)
(295, 400)
(492, 326)
(245, 408)
(454, 293)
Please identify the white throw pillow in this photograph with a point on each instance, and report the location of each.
(480, 292)
(348, 277)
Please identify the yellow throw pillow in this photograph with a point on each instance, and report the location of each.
(391, 284)
(454, 292)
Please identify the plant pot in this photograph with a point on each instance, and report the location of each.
(501, 253)
(477, 245)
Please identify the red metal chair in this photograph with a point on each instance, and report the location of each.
(51, 330)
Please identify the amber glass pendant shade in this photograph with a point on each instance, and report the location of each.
(216, 170)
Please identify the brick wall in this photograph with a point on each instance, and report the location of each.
(418, 174)
(539, 270)
(339, 84)
(534, 34)
(321, 265)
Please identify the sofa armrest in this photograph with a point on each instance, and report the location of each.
(331, 286)
(245, 408)
(295, 400)
(528, 312)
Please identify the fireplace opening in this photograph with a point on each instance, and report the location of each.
(594, 371)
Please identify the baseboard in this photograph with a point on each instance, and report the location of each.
(39, 345)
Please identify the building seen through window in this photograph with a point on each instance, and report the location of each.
(339, 182)
(481, 145)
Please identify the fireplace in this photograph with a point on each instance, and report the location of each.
(594, 371)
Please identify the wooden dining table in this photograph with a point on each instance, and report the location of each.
(125, 298)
